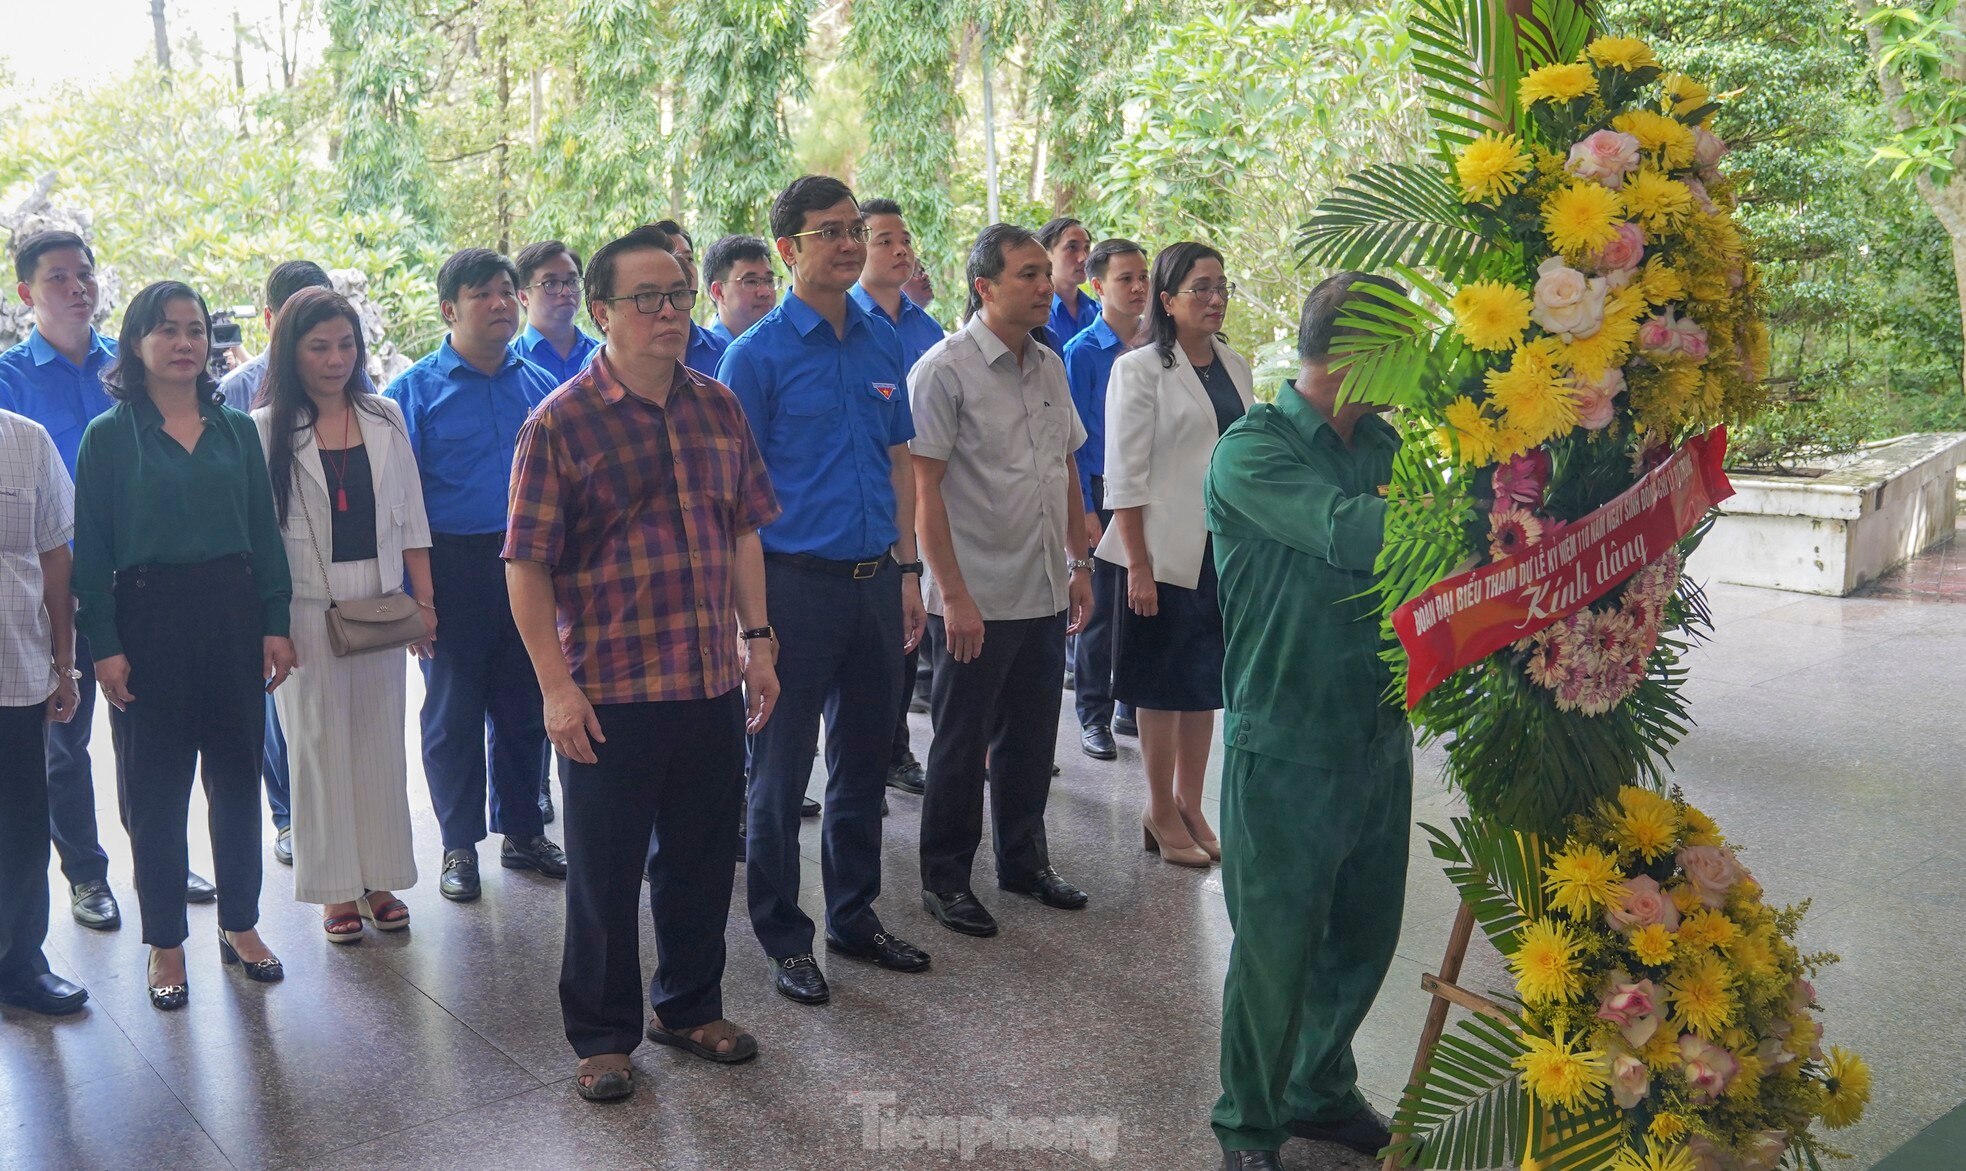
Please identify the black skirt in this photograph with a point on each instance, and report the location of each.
(1171, 662)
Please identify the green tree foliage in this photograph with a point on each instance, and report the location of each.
(736, 63)
(904, 53)
(380, 55)
(1083, 57)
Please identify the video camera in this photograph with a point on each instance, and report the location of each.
(226, 336)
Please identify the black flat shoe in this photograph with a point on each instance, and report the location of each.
(1125, 726)
(283, 846)
(918, 705)
(1251, 1161)
(47, 994)
(1097, 742)
(197, 890)
(1049, 889)
(460, 881)
(546, 808)
(799, 979)
(959, 911)
(540, 854)
(908, 776)
(266, 971)
(1365, 1132)
(95, 907)
(888, 951)
(808, 808)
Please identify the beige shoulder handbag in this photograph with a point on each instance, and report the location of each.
(390, 622)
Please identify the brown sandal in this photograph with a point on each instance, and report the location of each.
(612, 1074)
(385, 917)
(342, 928)
(702, 1040)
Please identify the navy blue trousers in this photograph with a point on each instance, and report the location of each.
(71, 784)
(1092, 666)
(273, 770)
(23, 844)
(480, 689)
(839, 657)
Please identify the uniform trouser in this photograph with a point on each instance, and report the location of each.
(480, 685)
(1092, 670)
(193, 635)
(839, 656)
(71, 797)
(1314, 871)
(660, 798)
(999, 709)
(910, 666)
(24, 843)
(273, 770)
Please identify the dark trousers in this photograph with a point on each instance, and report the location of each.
(1001, 708)
(71, 784)
(24, 843)
(660, 798)
(193, 635)
(1092, 670)
(273, 770)
(910, 666)
(839, 657)
(480, 686)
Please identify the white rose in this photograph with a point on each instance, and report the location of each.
(1568, 302)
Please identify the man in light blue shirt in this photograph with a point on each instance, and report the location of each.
(743, 286)
(706, 349)
(549, 288)
(463, 407)
(240, 389)
(1068, 244)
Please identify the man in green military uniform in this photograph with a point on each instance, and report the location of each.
(1317, 776)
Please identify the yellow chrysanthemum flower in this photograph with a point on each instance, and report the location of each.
(1652, 944)
(1746, 1086)
(1668, 137)
(1846, 1089)
(1645, 823)
(1469, 436)
(1491, 315)
(1546, 963)
(1608, 348)
(1627, 53)
(1537, 403)
(1558, 1075)
(1707, 928)
(1661, 1054)
(1702, 993)
(1753, 953)
(1556, 83)
(1805, 1032)
(1685, 94)
(1583, 217)
(1657, 201)
(1667, 1126)
(1660, 282)
(1685, 897)
(1658, 1156)
(1580, 878)
(1491, 167)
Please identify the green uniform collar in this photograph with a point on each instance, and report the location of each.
(1308, 421)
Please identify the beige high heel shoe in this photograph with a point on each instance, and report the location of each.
(1193, 856)
(1205, 837)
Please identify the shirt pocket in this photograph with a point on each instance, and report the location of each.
(17, 515)
(714, 467)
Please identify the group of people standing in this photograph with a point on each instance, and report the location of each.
(668, 555)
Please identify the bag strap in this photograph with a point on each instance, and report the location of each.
(313, 542)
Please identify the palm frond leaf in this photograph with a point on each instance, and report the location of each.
(1585, 1140)
(1392, 215)
(1469, 1109)
(1555, 31)
(1465, 53)
(1498, 872)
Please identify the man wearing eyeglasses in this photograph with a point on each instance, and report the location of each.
(741, 285)
(549, 289)
(825, 386)
(706, 349)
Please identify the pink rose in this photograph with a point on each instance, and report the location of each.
(1700, 195)
(1690, 338)
(1802, 995)
(1626, 1002)
(1655, 335)
(1607, 157)
(1568, 302)
(1763, 1150)
(1622, 254)
(1707, 150)
(1629, 1081)
(1596, 399)
(1519, 480)
(1713, 870)
(1709, 1067)
(1645, 904)
(1706, 1156)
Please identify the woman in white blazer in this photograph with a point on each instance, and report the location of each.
(1166, 405)
(350, 505)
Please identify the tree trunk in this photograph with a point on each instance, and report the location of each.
(161, 35)
(504, 146)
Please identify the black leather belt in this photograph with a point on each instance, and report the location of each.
(857, 570)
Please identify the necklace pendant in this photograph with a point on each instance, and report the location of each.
(341, 500)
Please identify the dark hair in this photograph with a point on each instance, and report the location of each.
(1317, 323)
(879, 207)
(598, 285)
(806, 193)
(727, 251)
(1048, 235)
(676, 229)
(290, 277)
(1171, 267)
(285, 394)
(988, 258)
(127, 380)
(29, 250)
(532, 256)
(470, 268)
(1104, 251)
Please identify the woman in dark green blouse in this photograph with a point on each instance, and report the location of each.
(183, 589)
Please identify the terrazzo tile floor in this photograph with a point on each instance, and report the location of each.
(1827, 743)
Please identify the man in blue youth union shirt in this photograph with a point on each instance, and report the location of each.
(549, 288)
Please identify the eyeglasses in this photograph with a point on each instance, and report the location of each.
(557, 288)
(752, 284)
(652, 303)
(833, 233)
(1206, 292)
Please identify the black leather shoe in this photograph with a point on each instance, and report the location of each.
(1097, 741)
(799, 979)
(1126, 726)
(47, 994)
(907, 776)
(1251, 1161)
(266, 971)
(197, 890)
(540, 854)
(889, 951)
(94, 906)
(283, 845)
(809, 808)
(546, 806)
(919, 705)
(1365, 1132)
(959, 911)
(1049, 889)
(460, 881)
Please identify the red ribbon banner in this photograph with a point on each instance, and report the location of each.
(1465, 618)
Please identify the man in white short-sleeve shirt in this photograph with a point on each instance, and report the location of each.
(998, 511)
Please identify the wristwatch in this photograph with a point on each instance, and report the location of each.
(757, 632)
(914, 567)
(70, 674)
(1073, 565)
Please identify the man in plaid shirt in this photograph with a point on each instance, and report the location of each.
(637, 582)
